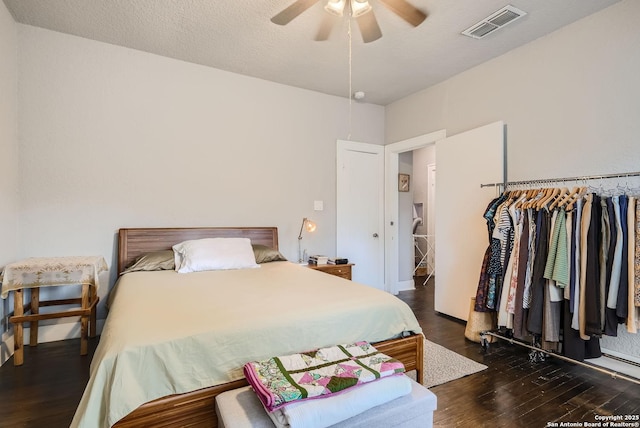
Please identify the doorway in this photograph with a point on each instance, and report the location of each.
(399, 240)
(464, 161)
(424, 200)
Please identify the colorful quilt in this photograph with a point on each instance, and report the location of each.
(318, 373)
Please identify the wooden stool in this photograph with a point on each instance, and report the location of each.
(35, 273)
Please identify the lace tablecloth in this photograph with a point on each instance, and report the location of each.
(52, 271)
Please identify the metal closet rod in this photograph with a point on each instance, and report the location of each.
(556, 180)
(611, 373)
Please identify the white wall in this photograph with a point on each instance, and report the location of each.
(571, 101)
(112, 137)
(8, 149)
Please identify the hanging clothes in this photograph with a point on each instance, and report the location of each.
(505, 317)
(553, 295)
(575, 293)
(557, 267)
(562, 268)
(592, 322)
(623, 288)
(519, 312)
(610, 320)
(526, 297)
(637, 259)
(536, 311)
(605, 243)
(485, 294)
(631, 309)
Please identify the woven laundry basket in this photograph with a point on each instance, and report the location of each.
(479, 322)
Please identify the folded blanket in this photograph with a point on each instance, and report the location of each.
(337, 408)
(318, 373)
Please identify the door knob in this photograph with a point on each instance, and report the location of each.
(375, 235)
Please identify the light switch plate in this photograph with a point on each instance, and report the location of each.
(318, 205)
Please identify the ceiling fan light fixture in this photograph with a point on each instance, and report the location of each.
(360, 7)
(335, 7)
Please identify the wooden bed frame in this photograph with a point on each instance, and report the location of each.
(197, 408)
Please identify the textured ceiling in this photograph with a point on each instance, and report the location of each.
(238, 36)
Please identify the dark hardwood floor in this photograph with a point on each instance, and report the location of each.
(512, 392)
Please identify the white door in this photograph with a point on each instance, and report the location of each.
(465, 161)
(360, 210)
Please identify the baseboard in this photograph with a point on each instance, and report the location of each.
(621, 355)
(46, 333)
(627, 365)
(406, 285)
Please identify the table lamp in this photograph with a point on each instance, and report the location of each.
(309, 226)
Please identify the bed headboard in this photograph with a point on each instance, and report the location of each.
(133, 242)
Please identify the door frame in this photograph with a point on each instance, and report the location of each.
(431, 214)
(391, 210)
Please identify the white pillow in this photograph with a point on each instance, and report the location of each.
(214, 254)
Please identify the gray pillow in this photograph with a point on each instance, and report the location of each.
(156, 260)
(265, 254)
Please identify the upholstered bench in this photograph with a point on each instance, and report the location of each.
(240, 408)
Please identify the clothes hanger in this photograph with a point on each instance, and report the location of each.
(515, 196)
(563, 202)
(581, 192)
(532, 195)
(552, 192)
(524, 196)
(561, 193)
(537, 195)
(545, 195)
(539, 198)
(529, 197)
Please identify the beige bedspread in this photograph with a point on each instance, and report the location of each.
(169, 333)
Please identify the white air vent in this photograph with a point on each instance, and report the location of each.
(504, 16)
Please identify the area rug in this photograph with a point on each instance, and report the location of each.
(442, 365)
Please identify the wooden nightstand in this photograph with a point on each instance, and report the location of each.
(343, 271)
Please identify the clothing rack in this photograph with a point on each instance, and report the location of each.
(612, 373)
(564, 179)
(537, 350)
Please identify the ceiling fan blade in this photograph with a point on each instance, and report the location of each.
(406, 11)
(369, 27)
(291, 12)
(326, 26)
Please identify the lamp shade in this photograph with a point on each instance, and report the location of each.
(309, 226)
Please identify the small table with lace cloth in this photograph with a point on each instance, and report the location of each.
(37, 272)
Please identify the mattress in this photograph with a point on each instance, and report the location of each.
(169, 333)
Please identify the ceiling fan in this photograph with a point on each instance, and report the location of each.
(361, 10)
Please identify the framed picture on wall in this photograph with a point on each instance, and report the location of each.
(403, 182)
